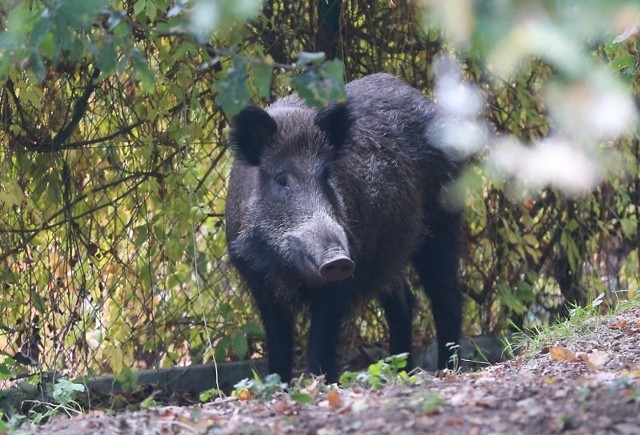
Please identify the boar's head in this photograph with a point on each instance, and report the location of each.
(292, 213)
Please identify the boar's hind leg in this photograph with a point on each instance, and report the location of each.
(278, 326)
(327, 316)
(436, 261)
(398, 310)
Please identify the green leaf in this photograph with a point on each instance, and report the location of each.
(629, 227)
(263, 74)
(321, 86)
(240, 345)
(303, 398)
(107, 58)
(233, 94)
(513, 302)
(305, 58)
(37, 66)
(139, 6)
(348, 379)
(41, 29)
(151, 11)
(143, 73)
(628, 61)
(213, 393)
(253, 329)
(48, 47)
(64, 391)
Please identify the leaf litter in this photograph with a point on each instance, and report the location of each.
(586, 384)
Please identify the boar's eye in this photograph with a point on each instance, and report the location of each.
(282, 180)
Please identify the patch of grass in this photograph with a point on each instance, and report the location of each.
(581, 320)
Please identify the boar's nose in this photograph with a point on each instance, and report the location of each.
(336, 266)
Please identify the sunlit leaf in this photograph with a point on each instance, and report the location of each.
(559, 353)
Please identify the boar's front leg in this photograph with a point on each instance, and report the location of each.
(328, 311)
(278, 325)
(398, 310)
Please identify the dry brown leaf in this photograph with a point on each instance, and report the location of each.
(559, 353)
(281, 406)
(620, 324)
(455, 421)
(334, 399)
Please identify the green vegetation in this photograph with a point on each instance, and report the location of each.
(258, 388)
(42, 402)
(580, 321)
(113, 121)
(386, 371)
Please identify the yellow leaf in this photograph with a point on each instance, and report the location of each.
(244, 394)
(561, 354)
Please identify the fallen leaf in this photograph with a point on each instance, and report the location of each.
(244, 394)
(335, 401)
(619, 325)
(281, 406)
(559, 353)
(597, 359)
(455, 421)
(359, 405)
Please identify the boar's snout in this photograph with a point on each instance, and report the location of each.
(320, 251)
(336, 266)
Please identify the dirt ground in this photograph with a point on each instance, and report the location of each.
(586, 384)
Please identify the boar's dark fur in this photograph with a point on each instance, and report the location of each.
(327, 208)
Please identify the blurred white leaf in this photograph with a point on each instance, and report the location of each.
(454, 96)
(536, 35)
(597, 107)
(459, 138)
(554, 162)
(460, 131)
(628, 33)
(205, 18)
(243, 9)
(456, 18)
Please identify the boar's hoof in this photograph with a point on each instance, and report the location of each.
(337, 268)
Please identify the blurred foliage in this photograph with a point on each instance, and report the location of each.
(113, 168)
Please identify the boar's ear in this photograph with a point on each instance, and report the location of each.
(336, 122)
(252, 129)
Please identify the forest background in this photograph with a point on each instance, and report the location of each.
(113, 162)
